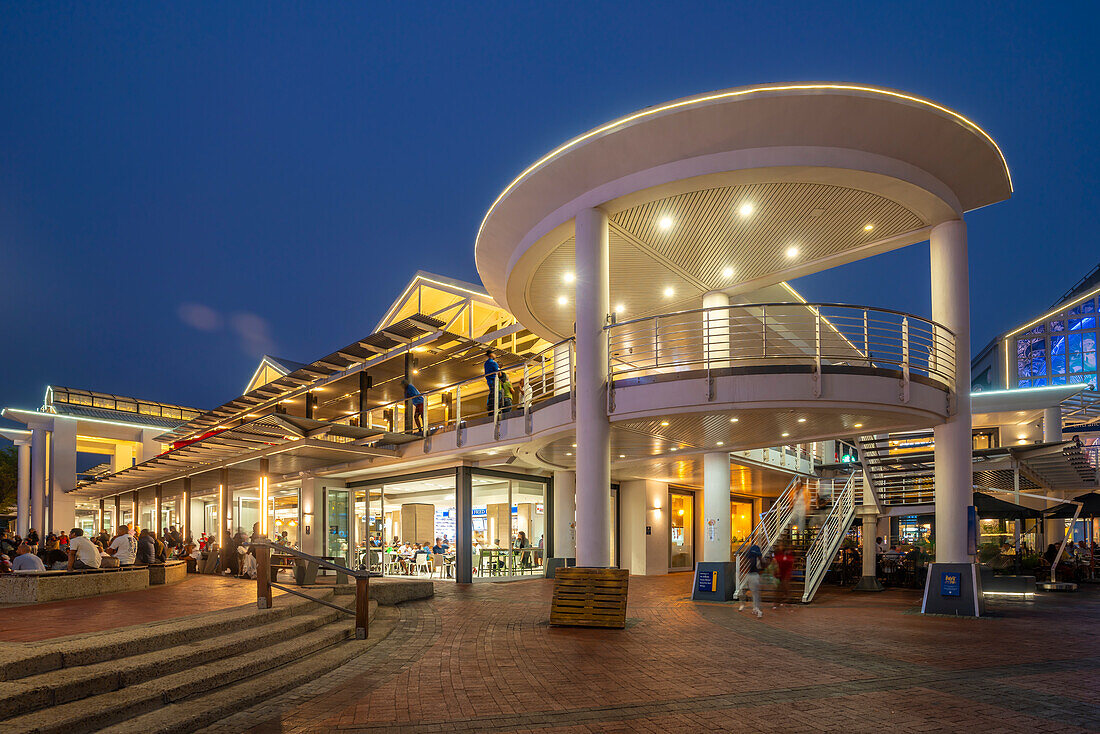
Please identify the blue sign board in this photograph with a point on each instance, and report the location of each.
(949, 583)
(708, 581)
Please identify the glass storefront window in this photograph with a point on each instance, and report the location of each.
(284, 518)
(336, 524)
(740, 521)
(246, 510)
(681, 527)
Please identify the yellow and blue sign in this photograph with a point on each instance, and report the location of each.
(707, 581)
(950, 583)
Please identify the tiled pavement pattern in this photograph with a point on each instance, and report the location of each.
(482, 658)
(196, 594)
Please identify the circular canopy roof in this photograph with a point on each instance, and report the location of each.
(829, 172)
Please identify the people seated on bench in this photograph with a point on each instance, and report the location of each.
(123, 546)
(83, 553)
(146, 549)
(55, 559)
(25, 560)
(8, 544)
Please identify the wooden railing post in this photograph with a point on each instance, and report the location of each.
(362, 602)
(263, 577)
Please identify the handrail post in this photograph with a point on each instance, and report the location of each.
(866, 339)
(763, 332)
(656, 342)
(905, 358)
(362, 604)
(263, 577)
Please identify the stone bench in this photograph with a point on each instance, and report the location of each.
(1006, 584)
(35, 588)
(171, 572)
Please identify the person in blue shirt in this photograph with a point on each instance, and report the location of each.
(491, 370)
(417, 402)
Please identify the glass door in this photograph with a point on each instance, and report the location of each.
(681, 530)
(336, 524)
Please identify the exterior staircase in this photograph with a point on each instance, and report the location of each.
(830, 513)
(183, 674)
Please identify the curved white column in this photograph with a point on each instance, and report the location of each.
(593, 427)
(565, 514)
(716, 507)
(954, 445)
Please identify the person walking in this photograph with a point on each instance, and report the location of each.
(784, 562)
(416, 403)
(491, 370)
(752, 580)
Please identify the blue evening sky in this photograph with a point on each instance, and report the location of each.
(186, 185)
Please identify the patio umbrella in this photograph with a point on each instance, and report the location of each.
(992, 508)
(1090, 507)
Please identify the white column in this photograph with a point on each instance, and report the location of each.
(39, 457)
(62, 505)
(716, 329)
(313, 508)
(23, 490)
(1052, 424)
(954, 445)
(716, 507)
(565, 514)
(593, 427)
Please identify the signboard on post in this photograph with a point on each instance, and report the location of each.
(950, 583)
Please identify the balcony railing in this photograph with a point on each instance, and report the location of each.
(762, 334)
(536, 380)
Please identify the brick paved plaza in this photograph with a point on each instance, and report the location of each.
(483, 658)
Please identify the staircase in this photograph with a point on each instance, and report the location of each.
(900, 467)
(830, 513)
(182, 674)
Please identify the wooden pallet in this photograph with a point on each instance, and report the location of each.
(590, 597)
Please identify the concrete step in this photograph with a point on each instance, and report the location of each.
(18, 662)
(104, 709)
(54, 688)
(204, 709)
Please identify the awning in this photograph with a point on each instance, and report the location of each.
(993, 508)
(289, 443)
(1090, 507)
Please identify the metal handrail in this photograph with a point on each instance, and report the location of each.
(828, 538)
(321, 562)
(530, 395)
(771, 525)
(783, 333)
(263, 582)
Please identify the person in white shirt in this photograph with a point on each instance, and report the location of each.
(123, 547)
(27, 561)
(82, 552)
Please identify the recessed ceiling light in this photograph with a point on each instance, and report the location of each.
(727, 272)
(745, 210)
(859, 425)
(416, 372)
(568, 453)
(574, 445)
(801, 420)
(619, 308)
(672, 449)
(734, 420)
(721, 443)
(868, 227)
(668, 292)
(664, 423)
(562, 300)
(664, 222)
(792, 251)
(622, 456)
(568, 277)
(785, 434)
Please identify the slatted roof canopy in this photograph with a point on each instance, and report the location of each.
(290, 444)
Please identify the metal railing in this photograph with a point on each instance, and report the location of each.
(772, 523)
(812, 334)
(264, 583)
(830, 535)
(537, 379)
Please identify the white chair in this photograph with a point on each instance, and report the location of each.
(393, 565)
(421, 562)
(438, 563)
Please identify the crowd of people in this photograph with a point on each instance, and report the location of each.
(75, 551)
